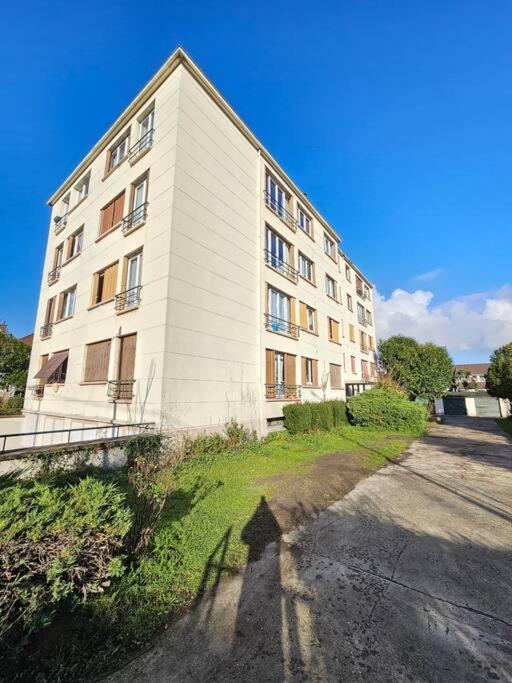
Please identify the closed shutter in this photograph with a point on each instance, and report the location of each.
(270, 368)
(109, 282)
(118, 209)
(335, 376)
(293, 316)
(304, 371)
(303, 316)
(315, 373)
(289, 369)
(336, 331)
(127, 357)
(97, 361)
(107, 218)
(352, 333)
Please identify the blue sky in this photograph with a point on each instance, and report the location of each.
(394, 117)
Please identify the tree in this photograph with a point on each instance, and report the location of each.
(14, 360)
(460, 379)
(499, 374)
(423, 370)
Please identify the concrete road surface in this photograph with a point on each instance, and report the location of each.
(407, 578)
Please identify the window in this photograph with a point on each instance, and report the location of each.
(75, 243)
(335, 373)
(146, 126)
(97, 357)
(351, 333)
(360, 314)
(65, 206)
(306, 268)
(366, 292)
(330, 287)
(359, 286)
(112, 214)
(350, 305)
(371, 343)
(277, 199)
(58, 360)
(353, 365)
(104, 284)
(348, 274)
(118, 152)
(139, 194)
(309, 372)
(50, 311)
(329, 246)
(132, 267)
(278, 251)
(280, 375)
(369, 317)
(281, 313)
(57, 259)
(67, 303)
(304, 221)
(364, 369)
(362, 340)
(308, 319)
(82, 189)
(333, 329)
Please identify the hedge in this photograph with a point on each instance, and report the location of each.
(383, 409)
(305, 417)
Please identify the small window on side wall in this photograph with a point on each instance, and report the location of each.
(118, 152)
(75, 243)
(82, 188)
(67, 303)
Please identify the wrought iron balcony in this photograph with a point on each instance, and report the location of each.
(280, 210)
(135, 218)
(273, 324)
(362, 320)
(46, 331)
(362, 293)
(141, 146)
(120, 389)
(286, 392)
(281, 266)
(60, 224)
(53, 275)
(128, 299)
(37, 390)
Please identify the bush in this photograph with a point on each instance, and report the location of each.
(385, 409)
(339, 412)
(58, 544)
(235, 436)
(11, 405)
(297, 417)
(321, 416)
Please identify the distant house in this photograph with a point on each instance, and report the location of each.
(475, 372)
(27, 339)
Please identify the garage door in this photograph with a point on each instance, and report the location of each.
(487, 406)
(454, 405)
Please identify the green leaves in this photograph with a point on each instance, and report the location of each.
(499, 375)
(14, 360)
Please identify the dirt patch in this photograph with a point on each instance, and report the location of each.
(301, 495)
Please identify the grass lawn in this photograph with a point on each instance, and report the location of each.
(202, 528)
(506, 425)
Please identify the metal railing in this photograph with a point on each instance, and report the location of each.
(135, 218)
(274, 324)
(128, 299)
(54, 275)
(280, 210)
(362, 294)
(46, 331)
(362, 320)
(281, 266)
(109, 432)
(287, 392)
(120, 389)
(369, 320)
(143, 145)
(60, 225)
(37, 390)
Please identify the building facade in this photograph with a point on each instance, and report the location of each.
(187, 281)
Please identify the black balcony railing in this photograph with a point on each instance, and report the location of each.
(37, 390)
(141, 146)
(281, 266)
(286, 392)
(60, 224)
(280, 209)
(128, 299)
(46, 330)
(273, 324)
(53, 275)
(120, 389)
(135, 218)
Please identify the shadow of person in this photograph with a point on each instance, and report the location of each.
(261, 530)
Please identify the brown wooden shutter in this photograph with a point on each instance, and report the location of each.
(335, 376)
(107, 217)
(289, 369)
(97, 361)
(293, 316)
(270, 367)
(127, 357)
(304, 371)
(303, 316)
(316, 320)
(315, 373)
(118, 209)
(110, 282)
(336, 330)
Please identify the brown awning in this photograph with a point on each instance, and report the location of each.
(52, 365)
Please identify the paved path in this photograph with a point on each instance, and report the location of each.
(407, 578)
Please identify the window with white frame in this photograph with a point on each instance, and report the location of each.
(118, 152)
(82, 189)
(304, 221)
(140, 195)
(309, 370)
(75, 243)
(350, 305)
(368, 317)
(146, 125)
(330, 287)
(278, 250)
(310, 319)
(67, 306)
(278, 305)
(306, 268)
(348, 273)
(276, 197)
(329, 246)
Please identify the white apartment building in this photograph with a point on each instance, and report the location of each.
(188, 281)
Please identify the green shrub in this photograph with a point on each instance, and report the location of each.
(56, 544)
(384, 409)
(235, 436)
(322, 416)
(11, 405)
(339, 412)
(297, 417)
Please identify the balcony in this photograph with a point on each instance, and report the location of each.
(364, 295)
(273, 324)
(53, 275)
(285, 392)
(362, 320)
(141, 147)
(46, 331)
(60, 224)
(364, 348)
(128, 299)
(135, 219)
(281, 266)
(37, 391)
(120, 389)
(280, 210)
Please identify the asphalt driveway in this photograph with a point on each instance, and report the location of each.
(408, 577)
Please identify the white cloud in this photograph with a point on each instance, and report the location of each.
(475, 323)
(429, 275)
